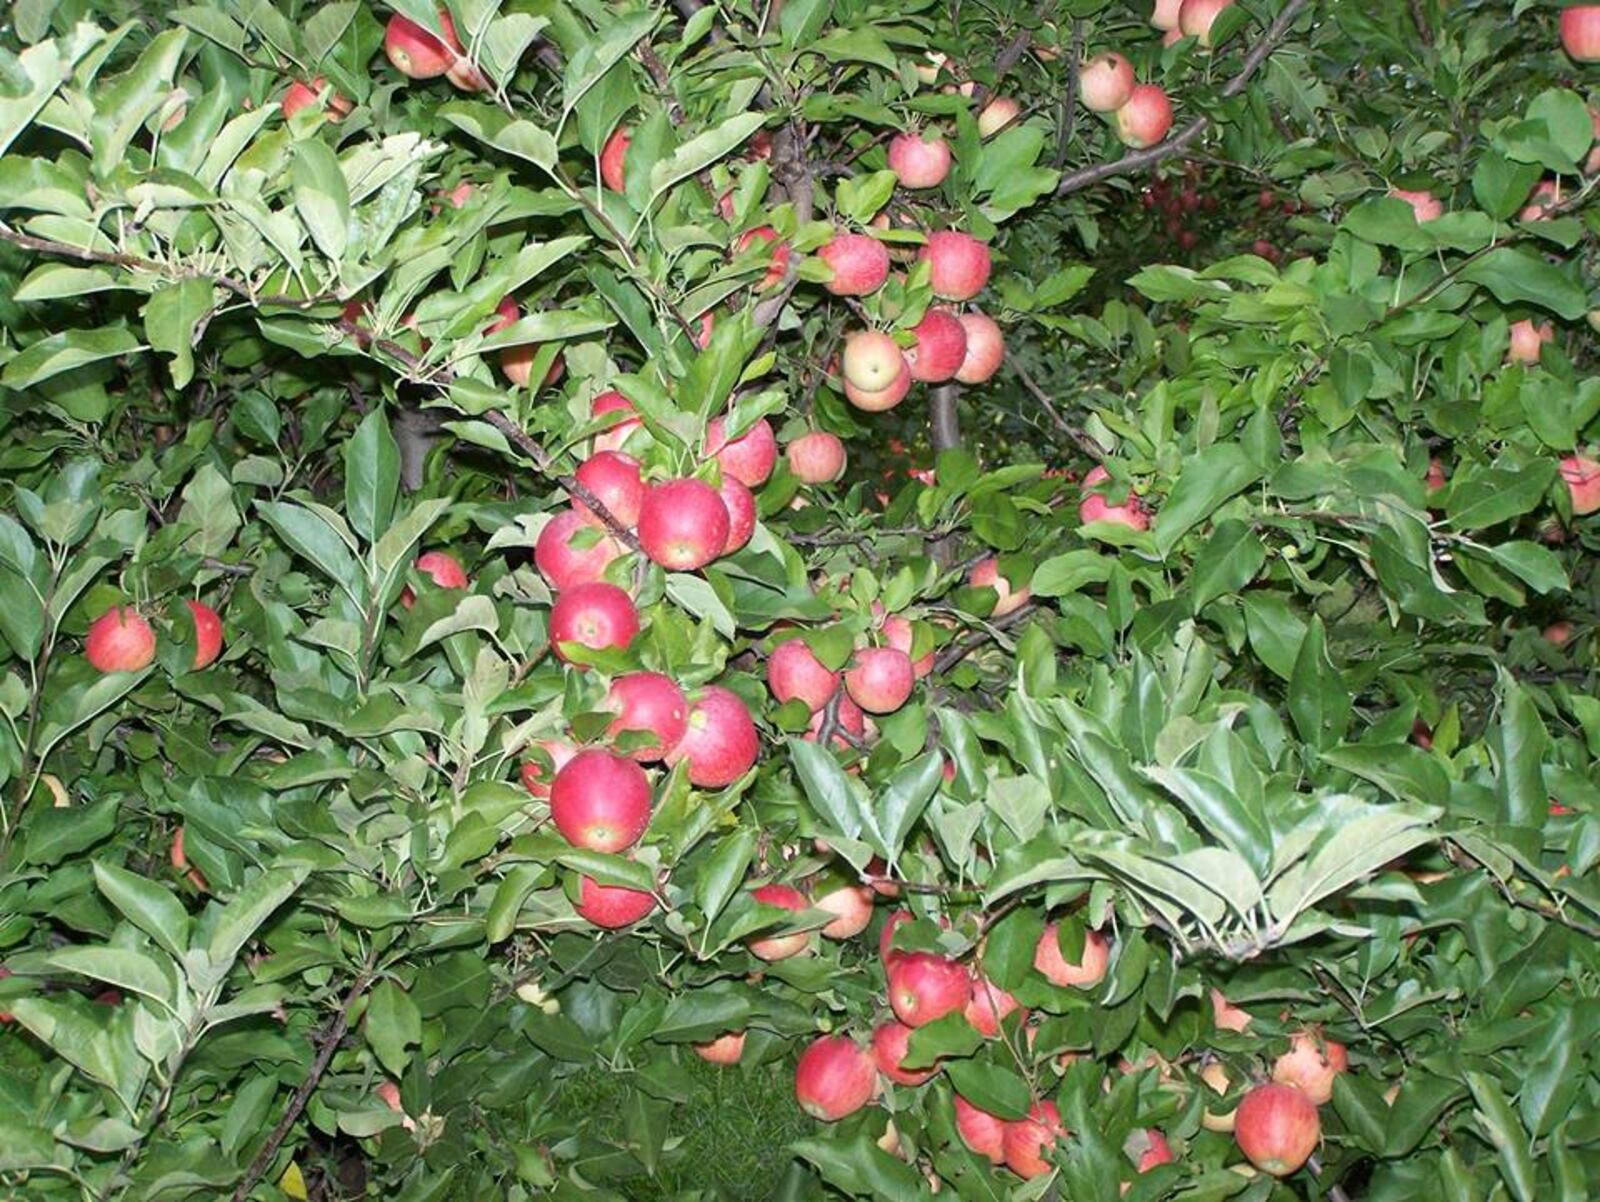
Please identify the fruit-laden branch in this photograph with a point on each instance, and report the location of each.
(1275, 33)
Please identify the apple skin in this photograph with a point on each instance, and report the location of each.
(884, 399)
(834, 1077)
(889, 1044)
(960, 264)
(1580, 32)
(536, 779)
(740, 503)
(941, 347)
(1195, 18)
(793, 671)
(724, 1049)
(563, 565)
(1542, 201)
(1146, 118)
(860, 264)
(612, 906)
(899, 634)
(924, 986)
(720, 742)
(981, 1131)
(1086, 974)
(298, 96)
(749, 458)
(613, 438)
(416, 53)
(595, 615)
(779, 267)
(852, 904)
(612, 155)
(120, 640)
(1027, 1141)
(1000, 113)
(872, 360)
(919, 162)
(986, 574)
(780, 947)
(600, 801)
(1095, 508)
(1105, 82)
(1311, 1064)
(986, 348)
(988, 1007)
(880, 679)
(207, 634)
(816, 458)
(1277, 1128)
(683, 524)
(1425, 205)
(613, 477)
(1526, 339)
(1166, 14)
(1226, 1016)
(650, 703)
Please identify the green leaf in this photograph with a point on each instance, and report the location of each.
(371, 475)
(1229, 561)
(62, 352)
(392, 1025)
(1500, 1126)
(701, 151)
(171, 318)
(719, 879)
(1208, 479)
(991, 1087)
(519, 881)
(1517, 743)
(312, 538)
(147, 905)
(321, 196)
(826, 787)
(243, 916)
(1517, 276)
(122, 967)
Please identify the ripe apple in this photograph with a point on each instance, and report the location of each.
(120, 640)
(1226, 1016)
(612, 906)
(899, 634)
(1166, 14)
(614, 437)
(1580, 32)
(1028, 1141)
(860, 264)
(1277, 1128)
(1157, 1151)
(740, 503)
(573, 549)
(1105, 82)
(724, 1049)
(872, 360)
(720, 742)
(959, 264)
(613, 477)
(1311, 1064)
(683, 524)
(940, 349)
(851, 721)
(180, 861)
(923, 986)
(536, 778)
(1543, 202)
(986, 574)
(444, 568)
(1058, 970)
(1425, 205)
(779, 267)
(886, 950)
(651, 703)
(1095, 508)
(793, 671)
(1216, 1077)
(989, 1005)
(834, 1077)
(1434, 480)
(919, 162)
(884, 399)
(816, 458)
(890, 1041)
(458, 196)
(416, 53)
(981, 1131)
(5, 1017)
(612, 155)
(880, 679)
(1526, 339)
(749, 458)
(299, 95)
(986, 348)
(1559, 633)
(1195, 18)
(998, 114)
(780, 947)
(600, 801)
(1146, 118)
(852, 904)
(207, 634)
(595, 615)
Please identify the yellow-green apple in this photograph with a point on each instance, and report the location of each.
(872, 360)
(883, 399)
(1216, 1078)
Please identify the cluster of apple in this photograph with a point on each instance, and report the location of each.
(1179, 19)
(122, 639)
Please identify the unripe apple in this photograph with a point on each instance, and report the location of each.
(720, 742)
(780, 947)
(120, 640)
(890, 1041)
(724, 1049)
(1146, 118)
(649, 703)
(1311, 1064)
(1580, 32)
(919, 162)
(1425, 205)
(860, 264)
(794, 672)
(872, 360)
(612, 906)
(986, 348)
(1058, 970)
(899, 634)
(1216, 1077)
(1277, 1128)
(779, 266)
(852, 904)
(1226, 1016)
(612, 438)
(416, 53)
(299, 95)
(959, 264)
(1028, 1142)
(573, 549)
(595, 615)
(885, 398)
(981, 1131)
(612, 155)
(924, 986)
(998, 114)
(207, 634)
(1166, 14)
(740, 503)
(1095, 508)
(1195, 18)
(683, 524)
(986, 574)
(1105, 82)
(613, 477)
(536, 778)
(834, 1077)
(988, 1007)
(600, 801)
(940, 349)
(749, 458)
(816, 458)
(880, 679)
(1526, 339)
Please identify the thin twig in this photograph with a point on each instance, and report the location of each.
(1080, 439)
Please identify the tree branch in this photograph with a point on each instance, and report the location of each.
(959, 650)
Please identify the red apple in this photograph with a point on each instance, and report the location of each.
(458, 196)
(1028, 1141)
(1166, 14)
(1311, 1064)
(860, 264)
(536, 778)
(649, 703)
(1105, 82)
(612, 155)
(1195, 18)
(794, 672)
(941, 347)
(573, 549)
(416, 53)
(986, 348)
(959, 263)
(740, 503)
(1000, 113)
(595, 615)
(444, 568)
(600, 801)
(1277, 1128)
(1434, 478)
(120, 640)
(1157, 1151)
(1146, 118)
(612, 906)
(851, 721)
(1526, 339)
(298, 96)
(749, 458)
(834, 1077)
(207, 633)
(779, 267)
(780, 947)
(816, 458)
(1546, 198)
(612, 439)
(1095, 508)
(919, 162)
(683, 524)
(872, 360)
(923, 986)
(724, 1049)
(899, 634)
(880, 679)
(1424, 205)
(5, 1016)
(986, 574)
(981, 1131)
(180, 861)
(1580, 32)
(1058, 970)
(884, 399)
(889, 1043)
(852, 904)
(720, 742)
(1559, 633)
(613, 477)
(1227, 1016)
(988, 1007)
(886, 950)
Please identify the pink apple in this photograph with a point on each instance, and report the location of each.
(1146, 118)
(880, 679)
(986, 574)
(600, 801)
(443, 568)
(1095, 508)
(884, 399)
(1580, 32)
(1526, 339)
(1028, 1142)
(899, 634)
(536, 778)
(1166, 14)
(1157, 1151)
(613, 477)
(1000, 113)
(816, 458)
(573, 549)
(740, 503)
(834, 1077)
(1195, 18)
(416, 53)
(724, 1049)
(749, 458)
(598, 616)
(1543, 202)
(919, 162)
(981, 1131)
(1424, 205)
(853, 906)
(1434, 479)
(924, 986)
(1559, 634)
(959, 264)
(940, 349)
(683, 524)
(120, 640)
(986, 348)
(1226, 1016)
(612, 155)
(780, 947)
(794, 672)
(612, 906)
(648, 703)
(1105, 82)
(1311, 1064)
(1058, 970)
(207, 634)
(988, 1007)
(1277, 1128)
(298, 96)
(890, 1042)
(779, 267)
(720, 743)
(1582, 478)
(872, 360)
(860, 264)
(612, 438)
